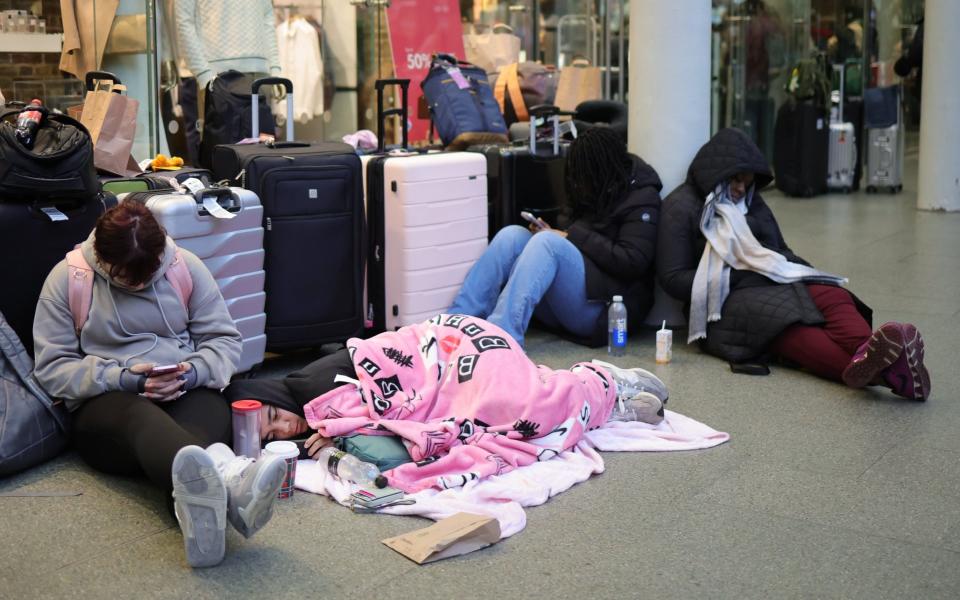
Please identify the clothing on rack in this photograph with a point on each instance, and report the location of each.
(301, 62)
(85, 30)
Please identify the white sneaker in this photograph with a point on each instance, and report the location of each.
(200, 504)
(252, 487)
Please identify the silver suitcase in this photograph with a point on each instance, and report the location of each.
(232, 248)
(885, 158)
(842, 152)
(842, 162)
(884, 139)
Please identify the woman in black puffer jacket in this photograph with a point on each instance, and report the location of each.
(821, 327)
(565, 278)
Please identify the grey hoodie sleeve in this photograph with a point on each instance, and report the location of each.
(60, 367)
(216, 339)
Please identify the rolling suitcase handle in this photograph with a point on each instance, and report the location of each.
(255, 104)
(93, 77)
(545, 111)
(841, 70)
(382, 114)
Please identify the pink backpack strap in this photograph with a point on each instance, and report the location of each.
(80, 287)
(178, 274)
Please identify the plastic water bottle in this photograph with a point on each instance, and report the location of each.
(350, 468)
(617, 327)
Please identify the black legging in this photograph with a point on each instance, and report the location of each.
(122, 433)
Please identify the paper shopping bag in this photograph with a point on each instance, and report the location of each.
(453, 536)
(578, 83)
(111, 119)
(493, 49)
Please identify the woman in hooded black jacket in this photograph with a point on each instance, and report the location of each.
(566, 277)
(820, 327)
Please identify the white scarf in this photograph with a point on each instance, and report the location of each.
(731, 244)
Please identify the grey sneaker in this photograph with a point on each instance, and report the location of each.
(644, 407)
(630, 382)
(200, 503)
(252, 487)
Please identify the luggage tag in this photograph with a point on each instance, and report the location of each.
(458, 77)
(196, 187)
(54, 214)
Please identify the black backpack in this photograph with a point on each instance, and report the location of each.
(60, 165)
(227, 118)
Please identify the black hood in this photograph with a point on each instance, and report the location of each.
(727, 153)
(642, 175)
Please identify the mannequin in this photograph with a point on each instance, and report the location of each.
(215, 36)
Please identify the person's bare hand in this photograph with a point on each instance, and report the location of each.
(315, 443)
(141, 368)
(559, 232)
(166, 387)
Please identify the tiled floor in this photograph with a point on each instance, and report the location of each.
(822, 491)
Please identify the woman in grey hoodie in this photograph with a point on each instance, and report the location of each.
(142, 371)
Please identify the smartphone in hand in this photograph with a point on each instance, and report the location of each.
(163, 370)
(537, 221)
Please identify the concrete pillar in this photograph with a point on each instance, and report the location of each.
(939, 174)
(669, 98)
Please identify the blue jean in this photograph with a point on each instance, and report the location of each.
(522, 274)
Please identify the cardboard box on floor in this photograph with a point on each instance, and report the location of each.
(459, 534)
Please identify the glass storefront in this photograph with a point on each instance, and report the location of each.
(756, 43)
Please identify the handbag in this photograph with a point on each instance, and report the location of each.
(33, 428)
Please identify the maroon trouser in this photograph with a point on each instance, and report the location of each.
(825, 350)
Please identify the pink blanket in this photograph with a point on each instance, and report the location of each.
(465, 399)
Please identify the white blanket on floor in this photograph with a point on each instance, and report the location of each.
(504, 496)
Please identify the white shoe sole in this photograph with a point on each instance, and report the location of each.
(200, 502)
(258, 510)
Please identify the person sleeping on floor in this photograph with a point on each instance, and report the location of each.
(459, 393)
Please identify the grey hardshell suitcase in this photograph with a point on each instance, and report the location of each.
(885, 140)
(223, 227)
(842, 152)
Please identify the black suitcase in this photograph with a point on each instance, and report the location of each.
(528, 177)
(800, 150)
(35, 236)
(312, 197)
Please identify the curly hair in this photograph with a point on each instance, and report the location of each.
(130, 240)
(598, 172)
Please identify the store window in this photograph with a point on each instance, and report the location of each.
(756, 44)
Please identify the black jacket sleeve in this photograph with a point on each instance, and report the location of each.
(677, 258)
(630, 253)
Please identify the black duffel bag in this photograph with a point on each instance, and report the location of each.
(60, 164)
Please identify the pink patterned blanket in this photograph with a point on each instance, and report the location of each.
(465, 399)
